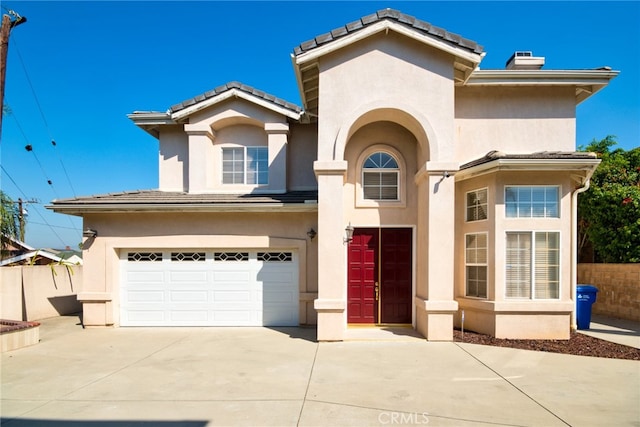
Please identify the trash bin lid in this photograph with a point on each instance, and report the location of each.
(586, 288)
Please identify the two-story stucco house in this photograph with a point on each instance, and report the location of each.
(411, 186)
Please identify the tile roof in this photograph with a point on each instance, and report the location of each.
(156, 197)
(391, 15)
(239, 86)
(541, 155)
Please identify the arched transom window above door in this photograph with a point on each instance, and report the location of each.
(381, 177)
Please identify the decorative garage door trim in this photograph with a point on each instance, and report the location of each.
(187, 287)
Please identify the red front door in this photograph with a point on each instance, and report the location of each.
(379, 276)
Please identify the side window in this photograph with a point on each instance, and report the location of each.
(245, 165)
(532, 202)
(477, 205)
(380, 177)
(476, 265)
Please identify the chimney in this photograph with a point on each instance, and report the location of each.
(524, 60)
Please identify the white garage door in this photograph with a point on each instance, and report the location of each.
(209, 288)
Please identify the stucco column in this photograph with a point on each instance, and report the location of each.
(95, 294)
(277, 140)
(200, 167)
(435, 304)
(332, 300)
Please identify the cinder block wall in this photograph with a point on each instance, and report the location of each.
(618, 288)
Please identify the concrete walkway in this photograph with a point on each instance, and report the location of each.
(625, 332)
(197, 377)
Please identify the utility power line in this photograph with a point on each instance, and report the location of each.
(37, 211)
(44, 119)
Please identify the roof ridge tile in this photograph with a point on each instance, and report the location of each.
(394, 15)
(238, 86)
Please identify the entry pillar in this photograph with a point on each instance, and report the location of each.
(435, 304)
(331, 303)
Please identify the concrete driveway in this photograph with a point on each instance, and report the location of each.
(258, 376)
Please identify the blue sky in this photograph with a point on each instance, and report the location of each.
(90, 64)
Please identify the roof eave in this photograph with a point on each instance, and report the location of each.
(150, 122)
(385, 25)
(86, 208)
(533, 165)
(586, 82)
(231, 94)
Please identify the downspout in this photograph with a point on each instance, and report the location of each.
(574, 244)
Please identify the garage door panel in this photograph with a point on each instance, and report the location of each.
(176, 289)
(188, 296)
(188, 276)
(231, 276)
(279, 315)
(146, 316)
(145, 276)
(233, 296)
(190, 316)
(235, 318)
(145, 296)
(278, 296)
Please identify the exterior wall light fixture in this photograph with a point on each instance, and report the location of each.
(349, 231)
(90, 232)
(311, 233)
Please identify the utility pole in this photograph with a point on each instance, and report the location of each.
(22, 212)
(5, 32)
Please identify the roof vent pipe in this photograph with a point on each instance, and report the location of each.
(524, 60)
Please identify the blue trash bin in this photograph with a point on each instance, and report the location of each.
(586, 297)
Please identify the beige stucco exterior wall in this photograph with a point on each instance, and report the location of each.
(39, 291)
(392, 138)
(191, 154)
(498, 315)
(513, 120)
(382, 73)
(302, 152)
(234, 230)
(368, 100)
(173, 159)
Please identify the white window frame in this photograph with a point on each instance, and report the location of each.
(400, 201)
(379, 171)
(532, 261)
(531, 215)
(477, 205)
(245, 166)
(468, 263)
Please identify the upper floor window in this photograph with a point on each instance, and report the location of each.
(531, 202)
(477, 205)
(245, 165)
(380, 177)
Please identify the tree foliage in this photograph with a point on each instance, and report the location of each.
(609, 212)
(9, 219)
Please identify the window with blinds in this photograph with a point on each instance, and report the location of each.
(476, 265)
(380, 177)
(533, 265)
(477, 205)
